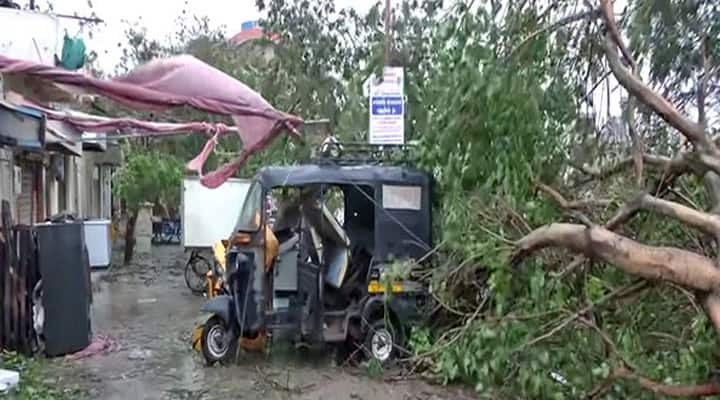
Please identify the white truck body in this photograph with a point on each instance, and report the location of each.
(209, 215)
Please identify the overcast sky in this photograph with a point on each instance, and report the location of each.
(159, 17)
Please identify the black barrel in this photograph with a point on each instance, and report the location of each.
(66, 298)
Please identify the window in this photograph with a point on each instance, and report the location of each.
(402, 197)
(248, 220)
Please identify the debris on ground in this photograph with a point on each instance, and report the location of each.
(8, 380)
(100, 344)
(139, 354)
(154, 358)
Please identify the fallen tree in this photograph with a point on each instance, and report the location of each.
(698, 273)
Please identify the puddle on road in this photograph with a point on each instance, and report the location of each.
(154, 358)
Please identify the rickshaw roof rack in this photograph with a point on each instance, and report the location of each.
(332, 151)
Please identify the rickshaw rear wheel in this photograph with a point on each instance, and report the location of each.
(219, 342)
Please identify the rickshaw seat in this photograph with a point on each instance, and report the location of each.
(334, 241)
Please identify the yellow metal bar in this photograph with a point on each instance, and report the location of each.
(375, 287)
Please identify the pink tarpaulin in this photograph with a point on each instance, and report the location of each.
(176, 82)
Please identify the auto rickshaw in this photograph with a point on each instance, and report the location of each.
(313, 280)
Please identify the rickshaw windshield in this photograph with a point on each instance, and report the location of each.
(249, 218)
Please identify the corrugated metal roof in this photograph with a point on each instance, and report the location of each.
(21, 126)
(252, 34)
(63, 137)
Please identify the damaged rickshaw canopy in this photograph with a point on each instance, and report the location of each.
(158, 86)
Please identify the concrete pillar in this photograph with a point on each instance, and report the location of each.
(71, 186)
(143, 230)
(52, 195)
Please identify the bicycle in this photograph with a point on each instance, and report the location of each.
(196, 270)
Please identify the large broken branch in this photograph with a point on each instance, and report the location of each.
(693, 131)
(669, 264)
(705, 222)
(623, 215)
(651, 203)
(632, 83)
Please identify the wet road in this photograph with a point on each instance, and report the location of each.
(149, 312)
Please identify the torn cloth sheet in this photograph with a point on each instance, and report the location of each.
(100, 344)
(175, 82)
(98, 124)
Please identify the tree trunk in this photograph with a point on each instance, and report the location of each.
(130, 236)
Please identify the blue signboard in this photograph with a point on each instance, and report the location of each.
(387, 105)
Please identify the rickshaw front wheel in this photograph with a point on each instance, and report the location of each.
(219, 342)
(384, 342)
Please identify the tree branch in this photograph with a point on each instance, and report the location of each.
(617, 293)
(705, 222)
(607, 10)
(710, 162)
(658, 388)
(669, 264)
(638, 145)
(609, 343)
(624, 214)
(677, 164)
(691, 130)
(702, 82)
(570, 205)
(712, 308)
(592, 14)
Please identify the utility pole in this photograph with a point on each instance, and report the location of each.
(388, 32)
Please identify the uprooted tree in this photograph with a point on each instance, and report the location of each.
(656, 177)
